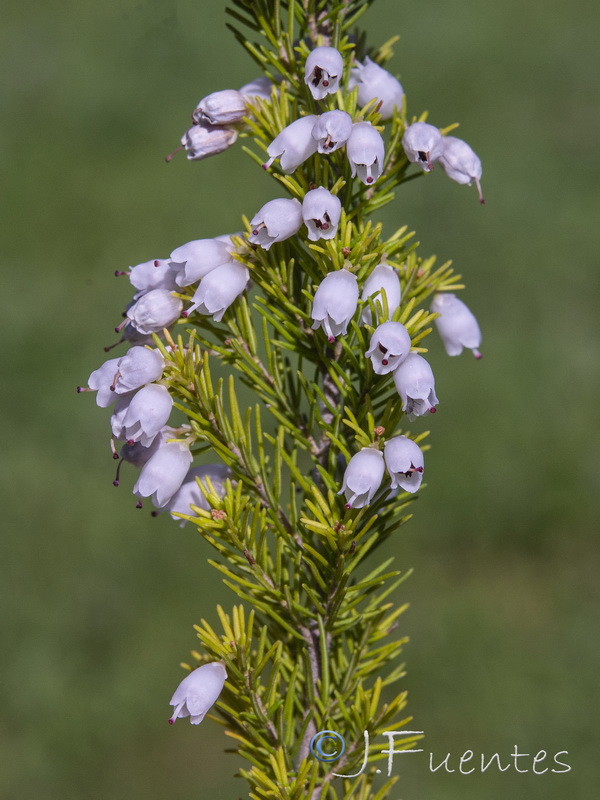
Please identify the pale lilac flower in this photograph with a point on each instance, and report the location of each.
(136, 368)
(383, 279)
(416, 386)
(217, 290)
(220, 108)
(154, 311)
(293, 145)
(332, 130)
(140, 417)
(202, 141)
(194, 260)
(277, 220)
(198, 692)
(163, 473)
(404, 462)
(137, 455)
(322, 71)
(154, 274)
(366, 152)
(461, 163)
(362, 477)
(423, 144)
(456, 325)
(389, 346)
(190, 494)
(259, 87)
(375, 82)
(101, 381)
(321, 212)
(335, 303)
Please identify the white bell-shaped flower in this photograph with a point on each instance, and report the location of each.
(217, 290)
(101, 381)
(136, 454)
(198, 692)
(259, 87)
(423, 144)
(277, 220)
(163, 473)
(322, 71)
(456, 325)
(404, 462)
(154, 311)
(461, 163)
(321, 212)
(362, 477)
(293, 145)
(194, 260)
(155, 274)
(375, 82)
(335, 303)
(202, 141)
(140, 417)
(190, 494)
(221, 108)
(416, 386)
(136, 368)
(332, 130)
(389, 346)
(366, 152)
(383, 279)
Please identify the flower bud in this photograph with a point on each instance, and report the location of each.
(322, 71)
(321, 212)
(198, 692)
(259, 87)
(456, 325)
(154, 274)
(194, 260)
(332, 130)
(138, 367)
(416, 386)
(423, 144)
(389, 345)
(404, 462)
(460, 163)
(383, 279)
(335, 303)
(163, 473)
(217, 290)
(365, 151)
(362, 477)
(277, 220)
(154, 311)
(140, 417)
(293, 145)
(375, 82)
(190, 494)
(101, 380)
(202, 141)
(220, 108)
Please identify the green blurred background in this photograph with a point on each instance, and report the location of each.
(99, 599)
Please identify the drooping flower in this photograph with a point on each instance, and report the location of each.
(202, 141)
(416, 386)
(190, 494)
(163, 473)
(404, 462)
(321, 212)
(293, 145)
(461, 163)
(322, 71)
(375, 82)
(136, 368)
(217, 290)
(332, 130)
(194, 260)
(198, 692)
(456, 325)
(137, 455)
(154, 311)
(101, 380)
(423, 144)
(366, 152)
(277, 220)
(221, 108)
(383, 279)
(259, 87)
(335, 303)
(362, 477)
(154, 274)
(389, 346)
(140, 417)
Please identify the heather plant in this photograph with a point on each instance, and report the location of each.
(323, 319)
